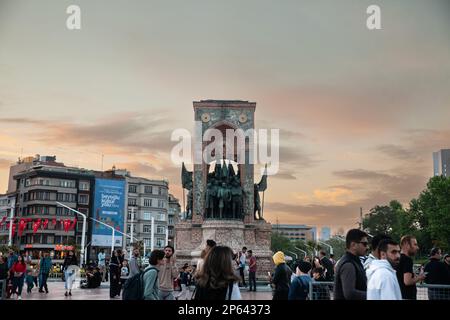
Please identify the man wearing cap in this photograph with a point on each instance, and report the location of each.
(299, 288)
(436, 273)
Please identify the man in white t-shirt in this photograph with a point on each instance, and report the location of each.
(242, 257)
(101, 263)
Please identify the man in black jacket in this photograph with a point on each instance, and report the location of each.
(327, 265)
(350, 280)
(437, 273)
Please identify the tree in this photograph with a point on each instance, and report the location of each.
(390, 220)
(432, 212)
(280, 243)
(338, 247)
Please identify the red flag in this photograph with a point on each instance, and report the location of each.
(29, 219)
(22, 225)
(74, 223)
(45, 224)
(13, 229)
(66, 225)
(54, 221)
(36, 225)
(3, 221)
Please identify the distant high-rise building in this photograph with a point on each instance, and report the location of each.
(441, 162)
(325, 233)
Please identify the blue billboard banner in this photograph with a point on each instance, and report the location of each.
(109, 208)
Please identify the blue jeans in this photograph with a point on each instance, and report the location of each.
(43, 283)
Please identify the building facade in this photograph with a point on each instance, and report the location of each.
(174, 216)
(441, 162)
(38, 189)
(295, 231)
(147, 199)
(5, 209)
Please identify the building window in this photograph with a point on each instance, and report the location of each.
(170, 220)
(83, 199)
(67, 183)
(147, 202)
(161, 204)
(132, 188)
(132, 201)
(160, 242)
(147, 216)
(160, 230)
(147, 228)
(148, 189)
(148, 242)
(84, 185)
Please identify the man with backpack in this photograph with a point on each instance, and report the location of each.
(145, 285)
(299, 288)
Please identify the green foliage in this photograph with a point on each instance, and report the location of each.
(428, 217)
(432, 212)
(280, 243)
(338, 247)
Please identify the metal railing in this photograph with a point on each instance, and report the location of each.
(433, 292)
(324, 291)
(321, 290)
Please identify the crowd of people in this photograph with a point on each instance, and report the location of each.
(387, 273)
(17, 270)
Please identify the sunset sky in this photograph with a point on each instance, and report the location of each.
(360, 112)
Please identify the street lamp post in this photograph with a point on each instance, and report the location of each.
(331, 248)
(152, 241)
(11, 221)
(296, 255)
(83, 234)
(306, 244)
(303, 251)
(132, 229)
(113, 233)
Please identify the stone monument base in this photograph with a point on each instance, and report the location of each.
(190, 240)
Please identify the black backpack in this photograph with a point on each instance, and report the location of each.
(133, 289)
(201, 293)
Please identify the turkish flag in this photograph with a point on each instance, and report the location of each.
(54, 221)
(13, 229)
(36, 225)
(66, 225)
(74, 223)
(45, 224)
(22, 225)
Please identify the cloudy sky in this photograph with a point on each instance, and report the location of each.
(360, 111)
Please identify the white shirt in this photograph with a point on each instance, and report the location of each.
(101, 259)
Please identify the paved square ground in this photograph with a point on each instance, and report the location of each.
(56, 292)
